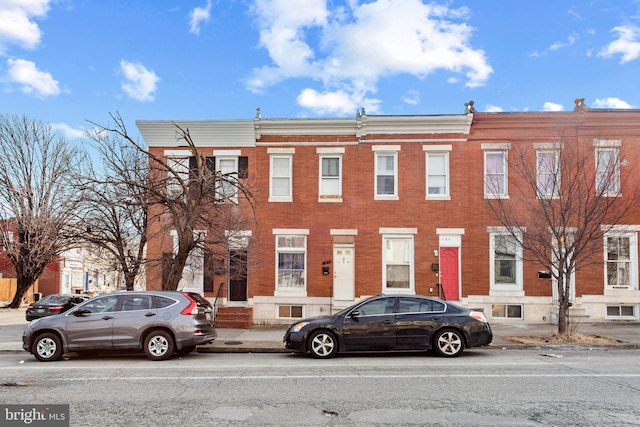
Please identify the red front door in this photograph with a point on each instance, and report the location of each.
(449, 273)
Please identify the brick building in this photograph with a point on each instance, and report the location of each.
(351, 207)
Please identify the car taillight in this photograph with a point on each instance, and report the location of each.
(478, 315)
(192, 308)
(56, 309)
(29, 307)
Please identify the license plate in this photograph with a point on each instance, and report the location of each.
(40, 310)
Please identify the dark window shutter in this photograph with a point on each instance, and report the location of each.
(243, 167)
(193, 164)
(210, 163)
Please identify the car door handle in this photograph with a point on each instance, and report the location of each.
(388, 322)
(107, 318)
(149, 314)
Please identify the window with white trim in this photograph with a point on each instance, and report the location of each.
(437, 172)
(505, 255)
(607, 171)
(397, 263)
(548, 173)
(227, 188)
(621, 260)
(386, 172)
(330, 187)
(495, 174)
(280, 182)
(177, 175)
(507, 311)
(290, 312)
(291, 261)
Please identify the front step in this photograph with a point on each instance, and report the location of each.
(234, 317)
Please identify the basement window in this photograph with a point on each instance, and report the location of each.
(290, 312)
(621, 311)
(508, 311)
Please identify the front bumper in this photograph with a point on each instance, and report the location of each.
(295, 341)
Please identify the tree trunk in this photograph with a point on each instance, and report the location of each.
(22, 286)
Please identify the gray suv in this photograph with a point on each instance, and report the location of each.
(160, 323)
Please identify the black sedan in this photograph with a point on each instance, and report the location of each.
(53, 304)
(392, 323)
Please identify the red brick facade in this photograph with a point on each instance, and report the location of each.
(416, 225)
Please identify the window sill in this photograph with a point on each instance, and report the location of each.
(330, 199)
(435, 198)
(392, 198)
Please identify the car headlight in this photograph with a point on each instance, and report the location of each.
(298, 326)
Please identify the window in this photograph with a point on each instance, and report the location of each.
(291, 253)
(495, 174)
(509, 311)
(548, 173)
(506, 261)
(419, 305)
(290, 312)
(437, 161)
(386, 172)
(621, 311)
(607, 172)
(136, 302)
(397, 257)
(177, 175)
(621, 259)
(280, 188)
(377, 307)
(330, 177)
(227, 189)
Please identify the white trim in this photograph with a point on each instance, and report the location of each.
(177, 153)
(449, 230)
(299, 231)
(228, 153)
(273, 150)
(496, 146)
(447, 147)
(343, 232)
(389, 148)
(384, 230)
(607, 143)
(330, 150)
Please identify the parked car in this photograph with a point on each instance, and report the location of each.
(159, 323)
(392, 323)
(53, 304)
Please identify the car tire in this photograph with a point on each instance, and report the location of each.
(47, 347)
(158, 345)
(323, 344)
(448, 343)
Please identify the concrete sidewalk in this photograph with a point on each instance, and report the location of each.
(268, 338)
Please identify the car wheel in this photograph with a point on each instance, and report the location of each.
(47, 347)
(448, 343)
(158, 345)
(323, 344)
(186, 350)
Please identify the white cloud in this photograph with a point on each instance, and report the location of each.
(140, 83)
(68, 131)
(16, 23)
(199, 15)
(627, 44)
(351, 48)
(339, 102)
(552, 106)
(559, 45)
(493, 109)
(412, 97)
(614, 103)
(32, 80)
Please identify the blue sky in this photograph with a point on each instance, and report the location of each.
(69, 61)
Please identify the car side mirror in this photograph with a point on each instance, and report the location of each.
(354, 314)
(81, 313)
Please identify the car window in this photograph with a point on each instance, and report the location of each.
(162, 302)
(136, 302)
(55, 299)
(101, 305)
(419, 305)
(377, 307)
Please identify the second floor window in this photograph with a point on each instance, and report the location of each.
(227, 188)
(437, 175)
(330, 176)
(548, 173)
(177, 175)
(281, 176)
(495, 174)
(607, 172)
(386, 174)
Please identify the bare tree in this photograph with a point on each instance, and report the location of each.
(188, 197)
(117, 205)
(39, 197)
(566, 199)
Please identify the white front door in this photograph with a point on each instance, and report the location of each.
(344, 283)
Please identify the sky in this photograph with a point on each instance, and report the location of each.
(73, 62)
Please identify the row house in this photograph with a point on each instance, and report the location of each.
(346, 208)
